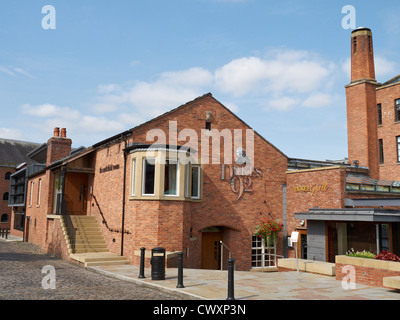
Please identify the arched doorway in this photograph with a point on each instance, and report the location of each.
(211, 248)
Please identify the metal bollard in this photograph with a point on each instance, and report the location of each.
(142, 257)
(7, 233)
(180, 270)
(231, 284)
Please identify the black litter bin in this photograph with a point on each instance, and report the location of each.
(157, 264)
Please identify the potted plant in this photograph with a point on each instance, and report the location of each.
(268, 230)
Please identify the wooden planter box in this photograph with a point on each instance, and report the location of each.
(367, 271)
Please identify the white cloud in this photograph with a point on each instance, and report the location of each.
(7, 133)
(282, 104)
(318, 100)
(282, 71)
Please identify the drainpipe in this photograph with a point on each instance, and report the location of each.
(123, 199)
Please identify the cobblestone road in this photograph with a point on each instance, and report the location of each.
(21, 278)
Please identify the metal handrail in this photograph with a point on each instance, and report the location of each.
(222, 253)
(71, 230)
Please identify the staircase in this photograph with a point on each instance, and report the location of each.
(89, 247)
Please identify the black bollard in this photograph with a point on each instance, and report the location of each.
(180, 270)
(142, 257)
(231, 284)
(7, 233)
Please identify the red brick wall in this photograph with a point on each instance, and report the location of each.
(365, 275)
(362, 126)
(388, 131)
(168, 223)
(328, 184)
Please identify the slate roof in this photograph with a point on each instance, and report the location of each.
(14, 152)
(392, 81)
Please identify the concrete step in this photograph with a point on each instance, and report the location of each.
(99, 259)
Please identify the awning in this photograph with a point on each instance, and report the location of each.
(355, 215)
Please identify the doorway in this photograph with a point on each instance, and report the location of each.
(211, 248)
(76, 193)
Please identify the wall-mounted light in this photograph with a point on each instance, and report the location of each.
(302, 223)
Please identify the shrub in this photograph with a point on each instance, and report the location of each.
(387, 256)
(362, 254)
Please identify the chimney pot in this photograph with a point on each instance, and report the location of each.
(63, 133)
(56, 132)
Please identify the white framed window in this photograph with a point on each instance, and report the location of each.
(171, 178)
(31, 193)
(187, 179)
(39, 191)
(261, 256)
(148, 178)
(196, 182)
(133, 177)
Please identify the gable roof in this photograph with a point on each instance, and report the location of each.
(14, 152)
(129, 132)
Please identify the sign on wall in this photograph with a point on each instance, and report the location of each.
(240, 175)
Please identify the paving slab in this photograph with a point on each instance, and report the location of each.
(212, 285)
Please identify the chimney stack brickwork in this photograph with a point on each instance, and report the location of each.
(58, 147)
(361, 104)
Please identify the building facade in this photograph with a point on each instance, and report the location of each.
(199, 180)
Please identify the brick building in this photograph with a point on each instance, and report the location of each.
(358, 208)
(163, 184)
(13, 155)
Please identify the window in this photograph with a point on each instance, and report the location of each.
(354, 44)
(379, 114)
(171, 174)
(8, 176)
(149, 169)
(381, 157)
(39, 191)
(133, 176)
(397, 110)
(208, 125)
(4, 218)
(196, 182)
(31, 193)
(5, 196)
(398, 148)
(261, 256)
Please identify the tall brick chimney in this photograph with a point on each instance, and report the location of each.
(58, 146)
(362, 122)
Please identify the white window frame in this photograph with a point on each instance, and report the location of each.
(39, 192)
(133, 176)
(31, 193)
(177, 178)
(265, 262)
(198, 182)
(144, 176)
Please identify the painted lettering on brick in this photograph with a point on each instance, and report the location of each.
(313, 188)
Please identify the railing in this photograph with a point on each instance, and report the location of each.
(71, 230)
(104, 219)
(222, 253)
(4, 233)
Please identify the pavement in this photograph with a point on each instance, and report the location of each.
(213, 285)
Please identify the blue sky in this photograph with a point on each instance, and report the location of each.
(281, 66)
